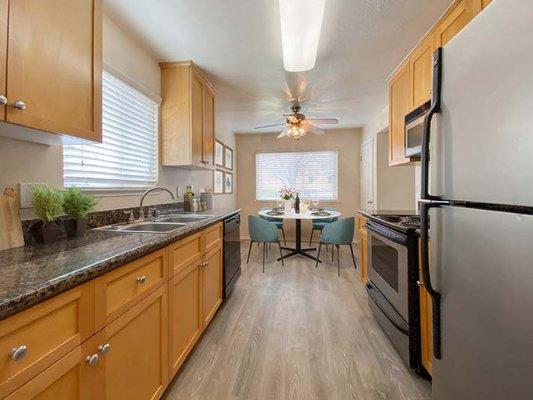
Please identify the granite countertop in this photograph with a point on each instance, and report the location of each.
(34, 273)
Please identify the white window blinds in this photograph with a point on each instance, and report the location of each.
(314, 174)
(127, 156)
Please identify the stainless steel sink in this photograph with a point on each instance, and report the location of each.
(184, 218)
(146, 227)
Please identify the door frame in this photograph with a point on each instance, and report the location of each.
(366, 143)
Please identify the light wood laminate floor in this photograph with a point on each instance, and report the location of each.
(295, 332)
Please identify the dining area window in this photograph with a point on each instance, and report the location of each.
(314, 174)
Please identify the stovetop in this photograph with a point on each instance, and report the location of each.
(407, 222)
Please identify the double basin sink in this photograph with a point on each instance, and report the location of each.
(164, 224)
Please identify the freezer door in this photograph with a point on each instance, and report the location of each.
(482, 141)
(485, 260)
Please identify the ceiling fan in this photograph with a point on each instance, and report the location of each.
(297, 125)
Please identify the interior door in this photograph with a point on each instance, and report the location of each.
(197, 119)
(208, 140)
(52, 46)
(367, 167)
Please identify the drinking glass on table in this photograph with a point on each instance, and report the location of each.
(315, 203)
(280, 204)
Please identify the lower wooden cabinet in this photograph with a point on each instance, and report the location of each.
(136, 362)
(211, 284)
(426, 322)
(185, 322)
(363, 266)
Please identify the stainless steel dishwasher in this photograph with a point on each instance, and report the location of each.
(232, 253)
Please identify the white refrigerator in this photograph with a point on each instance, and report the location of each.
(477, 208)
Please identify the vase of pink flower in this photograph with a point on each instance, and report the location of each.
(287, 194)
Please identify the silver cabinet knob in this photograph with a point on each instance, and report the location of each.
(18, 353)
(92, 360)
(430, 92)
(3, 100)
(205, 263)
(141, 280)
(104, 348)
(419, 283)
(19, 105)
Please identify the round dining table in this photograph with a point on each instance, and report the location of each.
(298, 217)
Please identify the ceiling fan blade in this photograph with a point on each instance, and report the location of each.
(331, 121)
(283, 133)
(270, 126)
(315, 130)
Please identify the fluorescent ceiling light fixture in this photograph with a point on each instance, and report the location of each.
(301, 21)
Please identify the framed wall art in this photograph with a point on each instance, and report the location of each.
(219, 154)
(228, 182)
(218, 182)
(228, 157)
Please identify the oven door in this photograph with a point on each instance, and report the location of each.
(388, 266)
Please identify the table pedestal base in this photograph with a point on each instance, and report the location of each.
(298, 250)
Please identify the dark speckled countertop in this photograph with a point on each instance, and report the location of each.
(34, 273)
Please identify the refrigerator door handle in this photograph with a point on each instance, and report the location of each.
(435, 108)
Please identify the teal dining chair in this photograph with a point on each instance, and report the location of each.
(262, 231)
(338, 233)
(277, 221)
(319, 224)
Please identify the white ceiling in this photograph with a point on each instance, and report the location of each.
(238, 44)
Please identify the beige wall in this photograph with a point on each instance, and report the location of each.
(35, 163)
(346, 141)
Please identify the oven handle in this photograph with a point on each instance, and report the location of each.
(369, 289)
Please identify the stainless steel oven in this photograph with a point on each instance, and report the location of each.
(392, 291)
(414, 122)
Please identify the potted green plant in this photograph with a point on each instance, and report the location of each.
(47, 204)
(77, 205)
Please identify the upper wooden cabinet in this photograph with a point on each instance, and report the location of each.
(53, 65)
(188, 133)
(399, 106)
(412, 80)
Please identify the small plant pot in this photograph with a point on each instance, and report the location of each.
(48, 232)
(75, 227)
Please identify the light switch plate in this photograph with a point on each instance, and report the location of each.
(25, 191)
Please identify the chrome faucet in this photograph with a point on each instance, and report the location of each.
(141, 212)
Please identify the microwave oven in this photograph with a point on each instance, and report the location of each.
(414, 127)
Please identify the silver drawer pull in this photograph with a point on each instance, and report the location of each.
(19, 105)
(18, 353)
(420, 284)
(3, 100)
(92, 360)
(104, 348)
(141, 280)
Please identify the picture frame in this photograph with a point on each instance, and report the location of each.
(228, 182)
(218, 182)
(219, 153)
(228, 157)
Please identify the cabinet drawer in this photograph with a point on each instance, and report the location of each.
(118, 290)
(185, 252)
(213, 236)
(48, 331)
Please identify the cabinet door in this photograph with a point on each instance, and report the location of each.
(485, 3)
(136, 365)
(426, 326)
(3, 56)
(457, 19)
(399, 106)
(54, 66)
(196, 120)
(185, 320)
(208, 142)
(211, 284)
(70, 378)
(363, 255)
(421, 65)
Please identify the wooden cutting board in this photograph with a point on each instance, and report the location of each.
(10, 225)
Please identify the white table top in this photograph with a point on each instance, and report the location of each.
(306, 215)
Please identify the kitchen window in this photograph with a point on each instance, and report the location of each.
(127, 157)
(314, 174)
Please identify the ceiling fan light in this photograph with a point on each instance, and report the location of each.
(301, 22)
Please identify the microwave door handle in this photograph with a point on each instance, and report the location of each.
(426, 132)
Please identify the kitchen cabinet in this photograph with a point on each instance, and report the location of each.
(426, 323)
(211, 284)
(452, 23)
(399, 106)
(185, 321)
(136, 363)
(67, 319)
(4, 13)
(188, 134)
(53, 65)
(363, 249)
(73, 377)
(421, 71)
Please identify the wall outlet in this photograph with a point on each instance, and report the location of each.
(25, 192)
